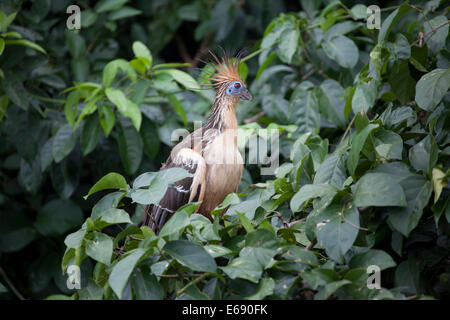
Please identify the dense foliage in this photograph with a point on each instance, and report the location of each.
(362, 117)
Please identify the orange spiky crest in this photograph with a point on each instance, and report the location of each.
(226, 71)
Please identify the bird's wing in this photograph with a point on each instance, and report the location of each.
(182, 191)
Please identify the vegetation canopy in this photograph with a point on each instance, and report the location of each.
(362, 116)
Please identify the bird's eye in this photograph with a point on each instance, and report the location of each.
(237, 85)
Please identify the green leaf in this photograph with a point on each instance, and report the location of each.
(110, 181)
(107, 118)
(76, 44)
(100, 248)
(125, 106)
(402, 47)
(191, 255)
(216, 250)
(111, 216)
(310, 191)
(407, 276)
(378, 189)
(91, 292)
(301, 255)
(124, 12)
(402, 83)
(331, 103)
(150, 138)
(177, 107)
(357, 145)
(130, 145)
(58, 297)
(2, 45)
(75, 239)
(80, 68)
(26, 43)
(304, 108)
(423, 155)
(431, 88)
(418, 192)
(337, 230)
(122, 270)
(262, 245)
(372, 257)
(329, 289)
(364, 96)
(108, 5)
(110, 71)
(245, 268)
(57, 217)
(176, 223)
(388, 144)
(183, 78)
(157, 183)
(319, 277)
(342, 50)
(340, 29)
(5, 20)
(70, 107)
(245, 222)
(265, 288)
(331, 171)
(439, 182)
(90, 134)
(17, 239)
(436, 40)
(391, 20)
(141, 50)
(145, 286)
(288, 44)
(63, 142)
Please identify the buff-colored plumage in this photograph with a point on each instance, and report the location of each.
(209, 153)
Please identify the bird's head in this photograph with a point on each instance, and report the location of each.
(226, 79)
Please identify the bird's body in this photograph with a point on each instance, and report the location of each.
(210, 154)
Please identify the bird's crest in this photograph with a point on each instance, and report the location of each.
(226, 71)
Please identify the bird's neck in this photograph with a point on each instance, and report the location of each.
(223, 115)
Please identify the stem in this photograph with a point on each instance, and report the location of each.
(348, 129)
(349, 16)
(188, 275)
(311, 245)
(255, 117)
(11, 285)
(182, 290)
(431, 32)
(251, 55)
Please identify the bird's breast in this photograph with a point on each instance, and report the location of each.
(224, 165)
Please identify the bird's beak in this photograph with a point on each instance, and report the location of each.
(245, 95)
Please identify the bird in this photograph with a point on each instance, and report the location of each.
(210, 154)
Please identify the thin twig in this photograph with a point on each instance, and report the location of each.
(182, 290)
(290, 224)
(251, 55)
(285, 224)
(255, 117)
(183, 50)
(348, 129)
(311, 245)
(201, 50)
(11, 285)
(188, 275)
(430, 33)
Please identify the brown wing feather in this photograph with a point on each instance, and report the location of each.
(181, 192)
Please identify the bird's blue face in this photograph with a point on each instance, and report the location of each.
(237, 89)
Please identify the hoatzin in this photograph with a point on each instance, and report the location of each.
(210, 153)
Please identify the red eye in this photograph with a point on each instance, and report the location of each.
(237, 85)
